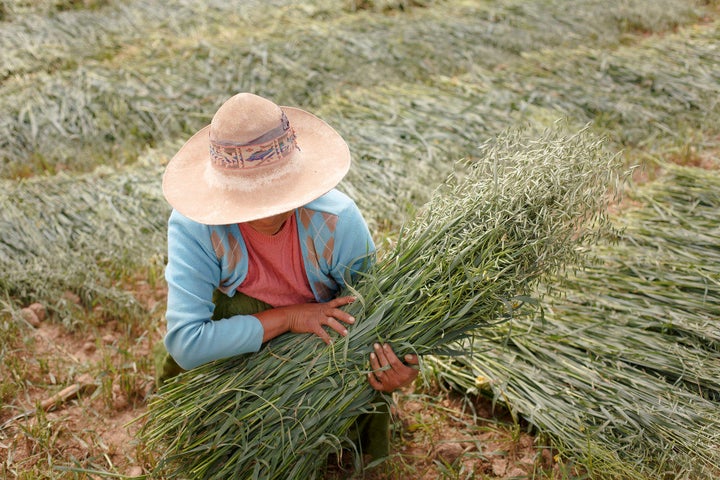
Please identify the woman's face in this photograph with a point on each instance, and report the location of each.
(269, 225)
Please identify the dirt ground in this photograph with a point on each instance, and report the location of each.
(83, 393)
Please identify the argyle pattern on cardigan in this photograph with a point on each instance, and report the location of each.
(316, 232)
(317, 245)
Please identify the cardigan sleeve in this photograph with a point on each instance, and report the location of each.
(193, 273)
(354, 248)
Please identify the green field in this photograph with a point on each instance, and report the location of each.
(97, 95)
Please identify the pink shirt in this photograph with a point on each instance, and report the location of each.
(276, 272)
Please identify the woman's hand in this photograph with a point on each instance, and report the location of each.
(312, 317)
(307, 318)
(389, 372)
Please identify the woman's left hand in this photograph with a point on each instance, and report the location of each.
(389, 372)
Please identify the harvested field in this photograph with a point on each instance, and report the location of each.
(96, 96)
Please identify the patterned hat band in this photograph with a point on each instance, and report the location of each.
(268, 149)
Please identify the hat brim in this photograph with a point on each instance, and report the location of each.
(324, 160)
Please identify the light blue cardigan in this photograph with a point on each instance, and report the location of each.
(335, 243)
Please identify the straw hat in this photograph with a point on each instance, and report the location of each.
(254, 160)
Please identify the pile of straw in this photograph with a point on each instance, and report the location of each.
(466, 262)
(623, 371)
(82, 234)
(131, 74)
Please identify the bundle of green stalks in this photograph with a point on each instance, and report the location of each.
(623, 371)
(466, 262)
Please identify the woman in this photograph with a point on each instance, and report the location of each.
(259, 241)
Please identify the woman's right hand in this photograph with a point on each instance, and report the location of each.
(307, 318)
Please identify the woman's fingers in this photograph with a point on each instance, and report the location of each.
(388, 372)
(375, 377)
(334, 316)
(342, 316)
(412, 359)
(337, 326)
(375, 365)
(375, 383)
(392, 359)
(317, 329)
(340, 301)
(314, 317)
